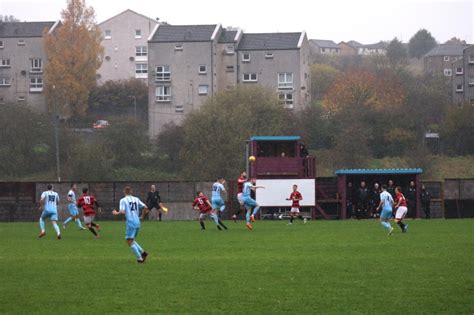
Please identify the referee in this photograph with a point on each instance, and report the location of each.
(153, 201)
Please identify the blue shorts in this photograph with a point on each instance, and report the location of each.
(249, 203)
(53, 216)
(217, 203)
(72, 209)
(386, 214)
(131, 232)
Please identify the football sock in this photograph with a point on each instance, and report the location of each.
(401, 224)
(222, 208)
(386, 225)
(93, 224)
(291, 219)
(159, 216)
(255, 211)
(139, 247)
(56, 228)
(136, 251)
(219, 228)
(67, 220)
(93, 231)
(247, 216)
(222, 224)
(78, 222)
(41, 224)
(202, 225)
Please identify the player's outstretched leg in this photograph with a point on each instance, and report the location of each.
(42, 228)
(247, 219)
(388, 226)
(222, 224)
(135, 249)
(203, 227)
(69, 219)
(79, 224)
(291, 219)
(56, 228)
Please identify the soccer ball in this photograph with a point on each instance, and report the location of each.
(252, 158)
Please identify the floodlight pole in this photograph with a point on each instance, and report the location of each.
(56, 137)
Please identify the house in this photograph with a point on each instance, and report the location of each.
(439, 60)
(379, 48)
(324, 46)
(125, 38)
(349, 48)
(462, 81)
(22, 60)
(189, 63)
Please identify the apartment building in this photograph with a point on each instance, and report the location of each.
(463, 78)
(189, 63)
(125, 37)
(22, 60)
(324, 46)
(439, 60)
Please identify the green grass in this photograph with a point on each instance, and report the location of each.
(320, 267)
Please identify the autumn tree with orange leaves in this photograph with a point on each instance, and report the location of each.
(74, 54)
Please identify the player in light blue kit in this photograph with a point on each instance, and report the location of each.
(249, 202)
(72, 208)
(130, 206)
(386, 203)
(49, 204)
(216, 198)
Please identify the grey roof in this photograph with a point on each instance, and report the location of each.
(379, 45)
(323, 43)
(227, 36)
(354, 44)
(269, 41)
(446, 50)
(23, 29)
(183, 33)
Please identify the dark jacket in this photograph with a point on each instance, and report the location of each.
(153, 200)
(425, 197)
(411, 194)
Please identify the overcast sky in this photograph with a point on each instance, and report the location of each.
(362, 20)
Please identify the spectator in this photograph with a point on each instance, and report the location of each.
(303, 151)
(411, 200)
(374, 199)
(391, 188)
(350, 200)
(153, 202)
(362, 201)
(425, 197)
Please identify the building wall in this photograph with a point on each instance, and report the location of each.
(226, 66)
(469, 75)
(185, 80)
(438, 64)
(119, 51)
(347, 50)
(20, 73)
(457, 80)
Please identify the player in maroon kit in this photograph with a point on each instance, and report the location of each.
(401, 207)
(87, 203)
(295, 197)
(203, 205)
(240, 186)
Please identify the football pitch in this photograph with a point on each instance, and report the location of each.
(318, 267)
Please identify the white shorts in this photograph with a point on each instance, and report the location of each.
(295, 210)
(401, 212)
(240, 198)
(203, 216)
(88, 219)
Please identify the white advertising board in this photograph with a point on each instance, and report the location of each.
(277, 190)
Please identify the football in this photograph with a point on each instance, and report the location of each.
(252, 158)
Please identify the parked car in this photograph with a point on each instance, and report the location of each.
(100, 124)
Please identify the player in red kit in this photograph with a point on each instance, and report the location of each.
(295, 198)
(401, 207)
(240, 186)
(87, 203)
(204, 206)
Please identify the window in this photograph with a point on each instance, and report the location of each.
(285, 80)
(286, 99)
(229, 68)
(459, 70)
(21, 42)
(141, 70)
(446, 58)
(230, 49)
(268, 55)
(36, 65)
(163, 93)
(471, 81)
(323, 49)
(21, 98)
(178, 47)
(163, 73)
(5, 82)
(459, 87)
(203, 89)
(447, 72)
(202, 69)
(141, 51)
(1, 44)
(36, 84)
(4, 63)
(108, 34)
(246, 57)
(138, 33)
(179, 109)
(471, 59)
(249, 77)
